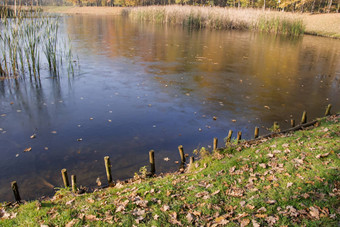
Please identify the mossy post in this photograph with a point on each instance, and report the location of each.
(276, 126)
(292, 123)
(328, 110)
(65, 178)
(74, 183)
(152, 161)
(215, 144)
(256, 133)
(15, 190)
(181, 153)
(230, 134)
(108, 169)
(239, 136)
(304, 117)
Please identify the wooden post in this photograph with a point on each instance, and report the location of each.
(74, 183)
(65, 178)
(276, 126)
(304, 117)
(152, 161)
(181, 153)
(292, 123)
(328, 110)
(230, 133)
(256, 133)
(15, 189)
(239, 135)
(192, 160)
(215, 144)
(108, 169)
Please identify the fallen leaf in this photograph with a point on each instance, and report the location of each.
(289, 184)
(271, 220)
(71, 223)
(91, 217)
(267, 107)
(165, 208)
(322, 155)
(166, 159)
(261, 210)
(70, 202)
(255, 223)
(244, 222)
(314, 212)
(189, 217)
(263, 165)
(250, 206)
(271, 201)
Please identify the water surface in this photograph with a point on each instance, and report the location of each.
(145, 86)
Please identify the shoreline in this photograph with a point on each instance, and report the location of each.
(323, 25)
(270, 164)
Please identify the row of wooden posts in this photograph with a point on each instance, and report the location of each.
(108, 166)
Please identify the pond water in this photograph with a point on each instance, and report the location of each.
(146, 86)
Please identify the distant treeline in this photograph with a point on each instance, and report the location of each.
(313, 6)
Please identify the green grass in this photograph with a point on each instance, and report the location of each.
(290, 180)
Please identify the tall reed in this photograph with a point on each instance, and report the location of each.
(23, 40)
(220, 18)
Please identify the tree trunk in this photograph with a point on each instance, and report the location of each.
(313, 5)
(329, 6)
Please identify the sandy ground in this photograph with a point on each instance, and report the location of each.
(317, 24)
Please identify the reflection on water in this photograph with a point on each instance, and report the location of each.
(145, 86)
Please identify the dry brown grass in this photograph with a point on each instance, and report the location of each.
(323, 24)
(84, 10)
(319, 24)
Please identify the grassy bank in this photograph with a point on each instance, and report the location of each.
(327, 25)
(221, 18)
(289, 180)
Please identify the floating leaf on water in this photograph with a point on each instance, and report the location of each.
(54, 132)
(233, 120)
(28, 149)
(80, 139)
(3, 115)
(91, 118)
(45, 148)
(19, 111)
(267, 107)
(214, 118)
(17, 155)
(33, 136)
(166, 159)
(109, 120)
(12, 103)
(199, 129)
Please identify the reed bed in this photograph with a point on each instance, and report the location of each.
(220, 18)
(28, 42)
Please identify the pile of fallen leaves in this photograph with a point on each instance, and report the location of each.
(288, 180)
